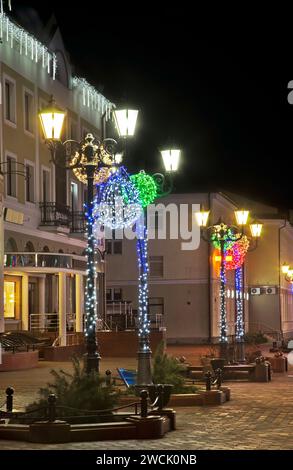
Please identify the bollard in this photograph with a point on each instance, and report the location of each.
(9, 399)
(161, 396)
(108, 377)
(208, 377)
(219, 376)
(51, 408)
(144, 403)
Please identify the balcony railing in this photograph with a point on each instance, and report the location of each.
(58, 215)
(44, 260)
(77, 222)
(53, 214)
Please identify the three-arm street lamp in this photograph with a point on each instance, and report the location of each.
(223, 236)
(90, 160)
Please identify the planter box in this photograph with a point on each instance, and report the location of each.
(278, 364)
(186, 399)
(214, 397)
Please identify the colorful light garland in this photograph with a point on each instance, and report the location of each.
(111, 208)
(229, 238)
(146, 186)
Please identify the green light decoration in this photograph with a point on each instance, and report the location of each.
(146, 186)
(229, 239)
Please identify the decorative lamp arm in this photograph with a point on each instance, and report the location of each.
(164, 183)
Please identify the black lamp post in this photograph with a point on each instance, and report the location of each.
(91, 161)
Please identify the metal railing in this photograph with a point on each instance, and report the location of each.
(44, 260)
(54, 214)
(255, 327)
(120, 315)
(50, 322)
(77, 222)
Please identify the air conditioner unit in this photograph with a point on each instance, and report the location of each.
(270, 290)
(255, 291)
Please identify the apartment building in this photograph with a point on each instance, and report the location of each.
(184, 285)
(43, 246)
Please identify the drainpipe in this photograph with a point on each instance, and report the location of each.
(279, 247)
(210, 310)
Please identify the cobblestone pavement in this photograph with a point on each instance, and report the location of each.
(259, 416)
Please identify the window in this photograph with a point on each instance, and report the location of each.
(114, 294)
(10, 101)
(114, 247)
(9, 299)
(29, 183)
(156, 306)
(73, 130)
(45, 185)
(156, 266)
(28, 111)
(11, 176)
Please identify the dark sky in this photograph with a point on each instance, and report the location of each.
(217, 89)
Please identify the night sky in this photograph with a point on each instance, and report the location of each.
(218, 90)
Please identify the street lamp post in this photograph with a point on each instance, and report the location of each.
(223, 236)
(164, 183)
(90, 161)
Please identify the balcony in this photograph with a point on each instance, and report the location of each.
(59, 216)
(44, 260)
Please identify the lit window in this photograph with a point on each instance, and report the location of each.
(9, 299)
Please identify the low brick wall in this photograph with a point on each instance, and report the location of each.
(111, 344)
(62, 353)
(124, 343)
(19, 360)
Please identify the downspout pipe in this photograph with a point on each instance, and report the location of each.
(279, 248)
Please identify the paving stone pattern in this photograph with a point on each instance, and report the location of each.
(259, 416)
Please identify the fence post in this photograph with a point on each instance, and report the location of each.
(208, 376)
(9, 399)
(144, 403)
(51, 408)
(108, 377)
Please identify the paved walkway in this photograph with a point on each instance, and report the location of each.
(259, 416)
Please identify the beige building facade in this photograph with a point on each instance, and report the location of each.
(42, 249)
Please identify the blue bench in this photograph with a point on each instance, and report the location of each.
(127, 376)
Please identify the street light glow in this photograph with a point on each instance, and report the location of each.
(171, 159)
(256, 229)
(241, 217)
(125, 121)
(52, 119)
(202, 218)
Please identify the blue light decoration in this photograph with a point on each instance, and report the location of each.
(117, 204)
(239, 327)
(223, 320)
(143, 290)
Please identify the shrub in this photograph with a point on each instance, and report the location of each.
(167, 370)
(78, 390)
(255, 338)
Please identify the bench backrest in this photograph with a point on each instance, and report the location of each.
(128, 376)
